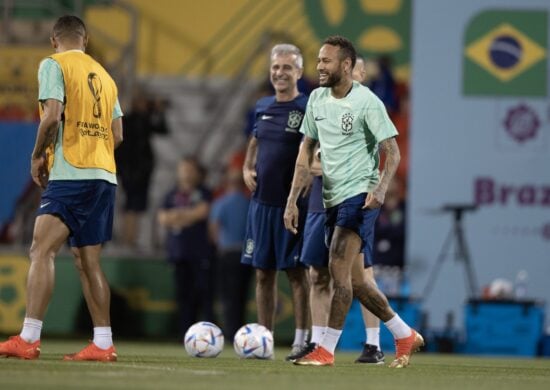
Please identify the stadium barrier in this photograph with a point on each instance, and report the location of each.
(503, 327)
(142, 303)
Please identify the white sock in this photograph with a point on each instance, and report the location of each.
(317, 333)
(373, 336)
(103, 337)
(300, 336)
(31, 330)
(331, 339)
(398, 328)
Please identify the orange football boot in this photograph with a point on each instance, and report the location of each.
(93, 353)
(318, 357)
(19, 348)
(405, 347)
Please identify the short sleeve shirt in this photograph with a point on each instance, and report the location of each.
(349, 131)
(52, 86)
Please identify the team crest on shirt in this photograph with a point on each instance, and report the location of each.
(249, 248)
(347, 123)
(294, 121)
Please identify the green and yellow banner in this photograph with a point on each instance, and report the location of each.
(506, 54)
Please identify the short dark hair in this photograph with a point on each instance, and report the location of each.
(70, 27)
(346, 48)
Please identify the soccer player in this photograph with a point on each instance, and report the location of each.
(372, 352)
(351, 124)
(315, 255)
(73, 160)
(267, 171)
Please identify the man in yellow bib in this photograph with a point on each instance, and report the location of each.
(73, 160)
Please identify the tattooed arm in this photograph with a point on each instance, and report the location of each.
(46, 134)
(300, 182)
(390, 149)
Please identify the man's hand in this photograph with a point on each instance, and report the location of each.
(375, 198)
(291, 218)
(39, 171)
(249, 176)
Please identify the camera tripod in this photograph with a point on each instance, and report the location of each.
(462, 254)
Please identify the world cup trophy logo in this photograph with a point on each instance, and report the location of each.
(94, 82)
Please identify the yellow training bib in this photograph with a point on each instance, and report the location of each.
(90, 97)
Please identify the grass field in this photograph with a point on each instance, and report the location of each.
(167, 366)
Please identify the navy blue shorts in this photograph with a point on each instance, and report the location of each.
(315, 248)
(267, 244)
(350, 215)
(85, 206)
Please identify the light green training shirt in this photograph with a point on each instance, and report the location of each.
(349, 131)
(52, 86)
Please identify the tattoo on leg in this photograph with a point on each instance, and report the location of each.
(341, 302)
(373, 299)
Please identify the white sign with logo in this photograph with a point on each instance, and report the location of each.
(478, 144)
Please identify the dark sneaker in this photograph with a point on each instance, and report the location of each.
(300, 352)
(371, 355)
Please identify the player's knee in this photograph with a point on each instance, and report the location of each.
(357, 283)
(40, 252)
(297, 276)
(265, 277)
(77, 261)
(320, 280)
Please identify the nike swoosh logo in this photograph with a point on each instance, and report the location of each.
(320, 118)
(44, 205)
(266, 117)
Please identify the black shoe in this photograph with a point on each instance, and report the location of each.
(299, 352)
(371, 355)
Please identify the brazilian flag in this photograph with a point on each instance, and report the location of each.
(505, 54)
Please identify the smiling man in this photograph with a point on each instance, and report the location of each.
(351, 124)
(268, 168)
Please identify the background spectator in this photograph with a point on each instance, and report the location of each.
(136, 161)
(227, 229)
(184, 214)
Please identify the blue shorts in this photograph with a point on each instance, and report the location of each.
(350, 215)
(315, 249)
(267, 244)
(85, 206)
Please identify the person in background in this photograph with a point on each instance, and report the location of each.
(227, 226)
(136, 161)
(184, 215)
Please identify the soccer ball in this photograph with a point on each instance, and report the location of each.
(253, 341)
(203, 339)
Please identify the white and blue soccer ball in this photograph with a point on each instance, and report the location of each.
(253, 341)
(204, 339)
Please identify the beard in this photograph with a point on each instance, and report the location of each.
(331, 80)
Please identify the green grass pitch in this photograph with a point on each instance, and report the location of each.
(167, 366)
